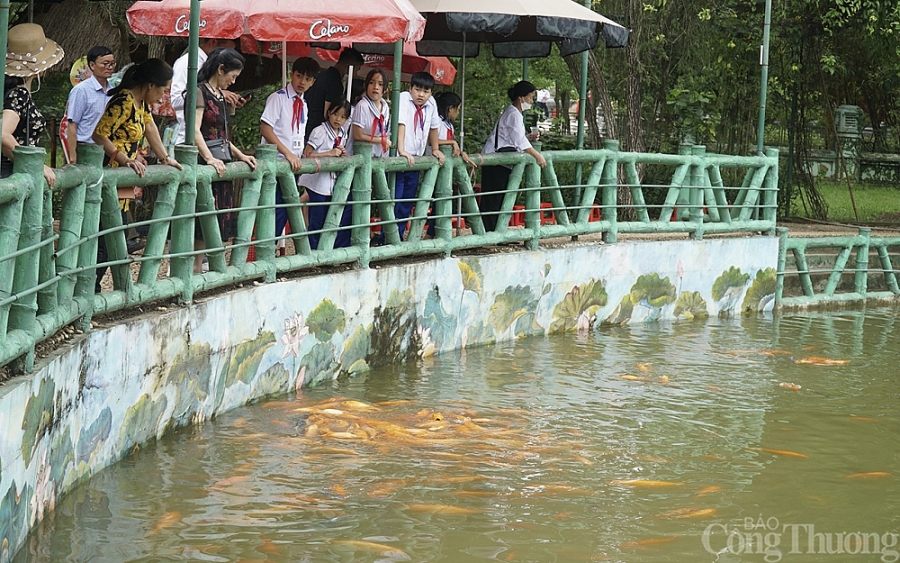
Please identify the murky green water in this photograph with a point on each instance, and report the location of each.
(536, 451)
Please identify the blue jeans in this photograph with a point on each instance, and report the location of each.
(317, 214)
(406, 187)
(281, 217)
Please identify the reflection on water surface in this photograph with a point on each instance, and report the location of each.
(749, 440)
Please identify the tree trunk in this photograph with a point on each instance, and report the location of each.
(156, 48)
(634, 138)
(600, 92)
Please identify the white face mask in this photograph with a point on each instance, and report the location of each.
(526, 106)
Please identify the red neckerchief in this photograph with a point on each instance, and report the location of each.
(378, 123)
(298, 116)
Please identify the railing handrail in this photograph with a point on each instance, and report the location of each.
(47, 277)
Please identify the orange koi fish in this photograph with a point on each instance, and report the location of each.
(645, 367)
(791, 386)
(708, 490)
(868, 475)
(863, 418)
(392, 552)
(168, 520)
(775, 352)
(820, 361)
(443, 509)
(648, 542)
(224, 483)
(633, 377)
(780, 452)
(645, 483)
(689, 512)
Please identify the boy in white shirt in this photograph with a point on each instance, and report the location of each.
(283, 124)
(418, 124)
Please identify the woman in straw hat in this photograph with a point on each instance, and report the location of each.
(28, 54)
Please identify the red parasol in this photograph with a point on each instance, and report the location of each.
(440, 68)
(374, 21)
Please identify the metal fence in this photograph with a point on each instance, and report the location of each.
(48, 264)
(840, 251)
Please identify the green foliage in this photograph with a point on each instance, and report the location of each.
(40, 411)
(13, 515)
(190, 374)
(356, 348)
(326, 319)
(874, 202)
(441, 326)
(656, 291)
(245, 123)
(93, 436)
(622, 314)
(761, 291)
(394, 337)
(320, 363)
(582, 302)
(516, 307)
(470, 270)
(274, 381)
(243, 362)
(141, 421)
(691, 305)
(730, 278)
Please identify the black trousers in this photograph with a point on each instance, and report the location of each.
(494, 180)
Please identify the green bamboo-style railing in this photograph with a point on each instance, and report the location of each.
(47, 269)
(843, 247)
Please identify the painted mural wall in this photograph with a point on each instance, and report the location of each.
(119, 387)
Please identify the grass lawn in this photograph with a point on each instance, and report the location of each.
(874, 202)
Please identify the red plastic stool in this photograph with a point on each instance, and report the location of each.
(547, 217)
(518, 216)
(596, 214)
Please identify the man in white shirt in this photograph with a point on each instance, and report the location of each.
(180, 78)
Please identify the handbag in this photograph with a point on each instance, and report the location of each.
(220, 149)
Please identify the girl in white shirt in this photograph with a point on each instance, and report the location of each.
(327, 140)
(371, 116)
(507, 136)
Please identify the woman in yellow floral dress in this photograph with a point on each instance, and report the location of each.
(127, 119)
(125, 123)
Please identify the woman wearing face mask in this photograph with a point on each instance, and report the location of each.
(29, 53)
(507, 136)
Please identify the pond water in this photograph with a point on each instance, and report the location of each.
(744, 440)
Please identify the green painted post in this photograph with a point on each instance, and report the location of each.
(4, 31)
(265, 224)
(770, 190)
(182, 267)
(533, 203)
(443, 191)
(209, 224)
(695, 194)
(782, 264)
(190, 99)
(28, 161)
(582, 97)
(763, 79)
(861, 276)
(361, 191)
(70, 224)
(89, 156)
(395, 96)
(609, 190)
(47, 301)
(116, 247)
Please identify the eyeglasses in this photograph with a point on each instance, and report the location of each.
(111, 64)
